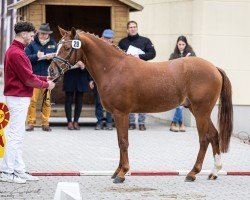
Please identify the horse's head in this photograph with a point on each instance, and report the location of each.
(68, 53)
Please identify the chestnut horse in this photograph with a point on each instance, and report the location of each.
(127, 84)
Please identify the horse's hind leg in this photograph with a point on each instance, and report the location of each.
(214, 139)
(121, 122)
(203, 127)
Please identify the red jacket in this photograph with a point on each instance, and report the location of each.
(19, 79)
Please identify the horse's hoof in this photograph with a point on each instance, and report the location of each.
(189, 179)
(118, 180)
(114, 176)
(212, 177)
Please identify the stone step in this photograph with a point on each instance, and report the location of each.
(58, 111)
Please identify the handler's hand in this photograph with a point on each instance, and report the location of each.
(49, 78)
(91, 85)
(51, 85)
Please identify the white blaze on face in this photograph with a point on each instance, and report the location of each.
(58, 49)
(217, 164)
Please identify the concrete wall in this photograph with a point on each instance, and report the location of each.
(224, 39)
(218, 30)
(241, 118)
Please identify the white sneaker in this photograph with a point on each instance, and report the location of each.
(11, 178)
(26, 176)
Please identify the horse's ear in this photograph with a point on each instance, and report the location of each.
(73, 32)
(62, 31)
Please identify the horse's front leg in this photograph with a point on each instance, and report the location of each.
(121, 122)
(120, 164)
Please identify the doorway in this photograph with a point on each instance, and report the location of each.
(93, 19)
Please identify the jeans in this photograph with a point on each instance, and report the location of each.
(99, 110)
(178, 115)
(141, 118)
(78, 105)
(14, 133)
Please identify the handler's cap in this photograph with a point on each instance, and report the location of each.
(44, 28)
(108, 33)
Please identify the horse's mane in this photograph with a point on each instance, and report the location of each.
(92, 35)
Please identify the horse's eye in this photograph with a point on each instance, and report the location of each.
(67, 48)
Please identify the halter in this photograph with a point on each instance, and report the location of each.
(66, 60)
(59, 67)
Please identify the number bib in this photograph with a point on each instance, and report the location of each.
(76, 44)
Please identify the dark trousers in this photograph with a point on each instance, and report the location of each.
(78, 105)
(99, 110)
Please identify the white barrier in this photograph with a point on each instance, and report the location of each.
(67, 191)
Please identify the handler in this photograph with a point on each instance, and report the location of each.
(19, 82)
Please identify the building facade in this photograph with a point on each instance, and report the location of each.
(218, 31)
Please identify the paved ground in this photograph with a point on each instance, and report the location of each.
(154, 149)
(149, 188)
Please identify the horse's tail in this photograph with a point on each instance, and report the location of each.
(225, 113)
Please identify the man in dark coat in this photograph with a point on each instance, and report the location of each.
(142, 48)
(40, 53)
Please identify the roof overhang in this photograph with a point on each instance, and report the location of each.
(133, 6)
(20, 4)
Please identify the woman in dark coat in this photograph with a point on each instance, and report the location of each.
(75, 83)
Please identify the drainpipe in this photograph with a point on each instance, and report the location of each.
(3, 17)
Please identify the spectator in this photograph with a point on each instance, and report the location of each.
(107, 35)
(40, 53)
(182, 49)
(75, 83)
(19, 82)
(145, 45)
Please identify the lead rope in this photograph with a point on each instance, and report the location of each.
(47, 91)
